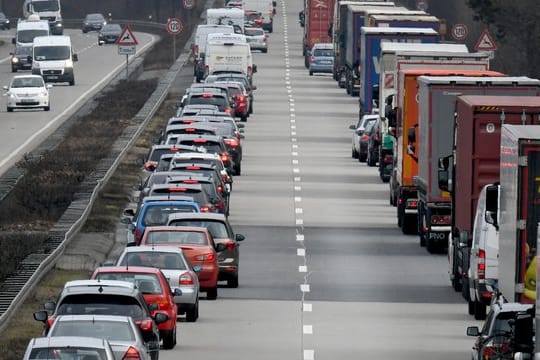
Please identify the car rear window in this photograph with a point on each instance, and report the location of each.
(158, 214)
(323, 52)
(71, 352)
(219, 101)
(102, 304)
(210, 146)
(216, 228)
(110, 330)
(146, 283)
(254, 32)
(176, 237)
(161, 260)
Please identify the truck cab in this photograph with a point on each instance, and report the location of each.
(49, 10)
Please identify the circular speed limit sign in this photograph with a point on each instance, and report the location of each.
(460, 32)
(174, 26)
(188, 4)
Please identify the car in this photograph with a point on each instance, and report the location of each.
(207, 168)
(239, 97)
(155, 288)
(196, 191)
(213, 144)
(360, 137)
(19, 58)
(27, 92)
(155, 212)
(196, 128)
(256, 37)
(194, 109)
(93, 297)
(253, 19)
(222, 232)
(496, 333)
(180, 274)
(218, 199)
(199, 247)
(210, 98)
(93, 22)
(373, 144)
(70, 347)
(235, 77)
(120, 331)
(156, 151)
(5, 24)
(109, 34)
(213, 159)
(321, 59)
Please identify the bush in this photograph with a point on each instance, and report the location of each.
(16, 246)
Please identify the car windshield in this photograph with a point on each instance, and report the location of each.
(159, 214)
(112, 28)
(102, 329)
(95, 17)
(161, 260)
(216, 228)
(2, 16)
(102, 304)
(42, 53)
(23, 50)
(70, 352)
(146, 283)
(27, 36)
(368, 125)
(323, 52)
(176, 237)
(26, 82)
(51, 5)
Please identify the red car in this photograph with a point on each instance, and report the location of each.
(155, 288)
(198, 246)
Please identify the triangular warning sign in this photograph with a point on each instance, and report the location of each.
(485, 42)
(127, 38)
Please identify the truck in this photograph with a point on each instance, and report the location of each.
(404, 20)
(199, 47)
(266, 8)
(403, 192)
(226, 16)
(474, 163)
(49, 10)
(318, 15)
(339, 30)
(370, 57)
(437, 96)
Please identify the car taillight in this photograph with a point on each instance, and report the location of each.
(188, 121)
(387, 159)
(206, 257)
(225, 177)
(138, 235)
(196, 50)
(145, 325)
(224, 157)
(481, 264)
(177, 189)
(220, 189)
(232, 142)
(365, 137)
(190, 181)
(193, 167)
(150, 165)
(199, 141)
(311, 59)
(440, 219)
(205, 209)
(162, 303)
(249, 69)
(228, 111)
(230, 245)
(186, 279)
(50, 321)
(131, 354)
(258, 22)
(494, 350)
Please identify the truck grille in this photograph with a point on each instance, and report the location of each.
(52, 72)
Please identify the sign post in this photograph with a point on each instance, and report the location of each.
(127, 45)
(174, 27)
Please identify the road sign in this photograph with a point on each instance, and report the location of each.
(174, 26)
(126, 49)
(188, 4)
(485, 42)
(421, 5)
(126, 37)
(460, 32)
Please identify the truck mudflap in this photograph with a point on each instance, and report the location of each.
(408, 212)
(436, 238)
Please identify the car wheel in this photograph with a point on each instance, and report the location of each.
(354, 153)
(431, 247)
(193, 313)
(243, 118)
(264, 51)
(362, 158)
(456, 284)
(72, 82)
(9, 109)
(46, 108)
(238, 169)
(13, 69)
(169, 339)
(470, 307)
(211, 294)
(479, 310)
(251, 108)
(370, 160)
(233, 282)
(155, 355)
(310, 73)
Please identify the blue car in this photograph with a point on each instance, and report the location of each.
(155, 213)
(321, 59)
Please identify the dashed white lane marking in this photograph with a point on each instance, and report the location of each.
(304, 288)
(309, 354)
(293, 133)
(299, 210)
(299, 222)
(299, 237)
(297, 179)
(297, 199)
(301, 252)
(294, 153)
(297, 188)
(302, 268)
(296, 170)
(308, 329)
(307, 307)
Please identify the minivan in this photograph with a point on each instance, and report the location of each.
(53, 58)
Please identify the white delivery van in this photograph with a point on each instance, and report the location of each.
(226, 16)
(200, 45)
(266, 8)
(48, 10)
(53, 57)
(233, 57)
(28, 29)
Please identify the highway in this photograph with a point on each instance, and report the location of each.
(22, 130)
(325, 273)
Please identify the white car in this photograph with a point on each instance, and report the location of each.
(27, 92)
(256, 37)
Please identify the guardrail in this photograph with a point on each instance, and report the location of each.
(33, 268)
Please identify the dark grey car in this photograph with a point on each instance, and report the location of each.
(93, 22)
(109, 34)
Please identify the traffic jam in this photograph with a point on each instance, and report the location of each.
(457, 144)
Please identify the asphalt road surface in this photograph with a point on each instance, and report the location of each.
(325, 272)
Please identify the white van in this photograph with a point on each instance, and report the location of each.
(226, 16)
(483, 260)
(200, 45)
(52, 58)
(28, 29)
(228, 53)
(221, 38)
(266, 8)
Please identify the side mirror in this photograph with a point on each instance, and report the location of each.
(41, 316)
(177, 292)
(254, 69)
(160, 318)
(129, 212)
(5, 87)
(411, 134)
(101, 42)
(50, 305)
(239, 237)
(11, 53)
(444, 162)
(443, 180)
(473, 331)
(352, 127)
(74, 57)
(131, 244)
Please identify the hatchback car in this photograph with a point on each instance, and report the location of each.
(239, 99)
(211, 98)
(360, 137)
(256, 37)
(196, 191)
(198, 245)
(109, 34)
(213, 145)
(71, 347)
(27, 92)
(236, 77)
(93, 22)
(180, 275)
(19, 58)
(218, 199)
(374, 141)
(253, 19)
(222, 232)
(321, 59)
(120, 331)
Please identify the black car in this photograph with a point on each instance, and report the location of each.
(109, 34)
(4, 22)
(19, 58)
(373, 144)
(242, 78)
(93, 22)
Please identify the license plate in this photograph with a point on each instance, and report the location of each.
(52, 77)
(326, 62)
(27, 101)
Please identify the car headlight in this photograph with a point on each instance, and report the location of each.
(7, 21)
(35, 65)
(59, 25)
(44, 94)
(12, 96)
(69, 63)
(15, 60)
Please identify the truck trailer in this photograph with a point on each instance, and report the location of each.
(318, 16)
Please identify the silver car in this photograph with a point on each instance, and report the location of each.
(68, 347)
(121, 332)
(256, 37)
(177, 270)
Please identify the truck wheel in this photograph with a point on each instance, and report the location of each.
(479, 310)
(399, 217)
(410, 225)
(212, 293)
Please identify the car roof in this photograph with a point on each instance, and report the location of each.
(215, 138)
(185, 186)
(130, 269)
(195, 156)
(198, 216)
(146, 248)
(62, 341)
(95, 317)
(176, 229)
(98, 283)
(27, 76)
(323, 46)
(167, 202)
(157, 199)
